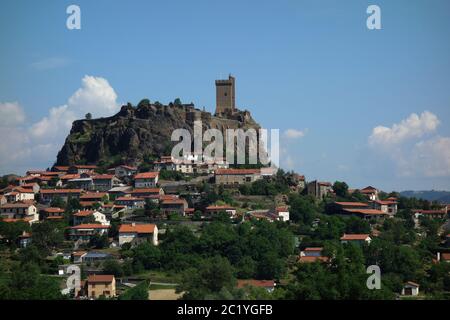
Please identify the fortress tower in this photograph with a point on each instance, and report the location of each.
(225, 96)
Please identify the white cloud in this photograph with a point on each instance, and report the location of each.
(414, 126)
(11, 114)
(95, 96)
(431, 157)
(413, 154)
(24, 145)
(294, 133)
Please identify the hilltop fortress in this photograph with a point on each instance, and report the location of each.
(136, 133)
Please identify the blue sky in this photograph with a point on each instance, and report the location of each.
(310, 66)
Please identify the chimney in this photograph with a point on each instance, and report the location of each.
(438, 256)
(133, 224)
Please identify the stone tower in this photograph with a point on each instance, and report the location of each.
(225, 96)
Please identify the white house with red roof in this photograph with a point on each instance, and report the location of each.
(146, 180)
(387, 206)
(87, 216)
(85, 232)
(123, 171)
(356, 238)
(20, 211)
(135, 233)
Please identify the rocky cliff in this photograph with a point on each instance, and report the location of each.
(136, 133)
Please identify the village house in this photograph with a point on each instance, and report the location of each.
(89, 216)
(24, 239)
(130, 202)
(34, 187)
(370, 192)
(356, 238)
(211, 210)
(47, 195)
(312, 254)
(269, 285)
(67, 177)
(104, 182)
(84, 182)
(443, 257)
(3, 200)
(432, 214)
(174, 206)
(410, 289)
(123, 171)
(19, 194)
(52, 213)
(283, 213)
(368, 214)
(94, 197)
(387, 206)
(358, 209)
(78, 169)
(261, 214)
(237, 176)
(137, 233)
(20, 210)
(164, 163)
(85, 232)
(146, 180)
(77, 256)
(119, 191)
(319, 189)
(146, 192)
(97, 286)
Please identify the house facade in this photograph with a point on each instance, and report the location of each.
(138, 233)
(146, 180)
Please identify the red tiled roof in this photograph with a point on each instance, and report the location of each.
(354, 237)
(100, 278)
(445, 256)
(255, 283)
(129, 199)
(56, 191)
(352, 204)
(215, 208)
(366, 211)
(137, 228)
(16, 205)
(313, 249)
(385, 202)
(84, 166)
(90, 226)
(70, 176)
(83, 213)
(79, 253)
(91, 195)
(173, 201)
(53, 210)
(306, 259)
(145, 190)
(237, 171)
(103, 177)
(146, 175)
(429, 211)
(55, 218)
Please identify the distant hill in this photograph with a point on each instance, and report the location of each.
(430, 195)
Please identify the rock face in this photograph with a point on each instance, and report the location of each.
(135, 133)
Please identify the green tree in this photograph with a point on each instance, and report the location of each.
(139, 292)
